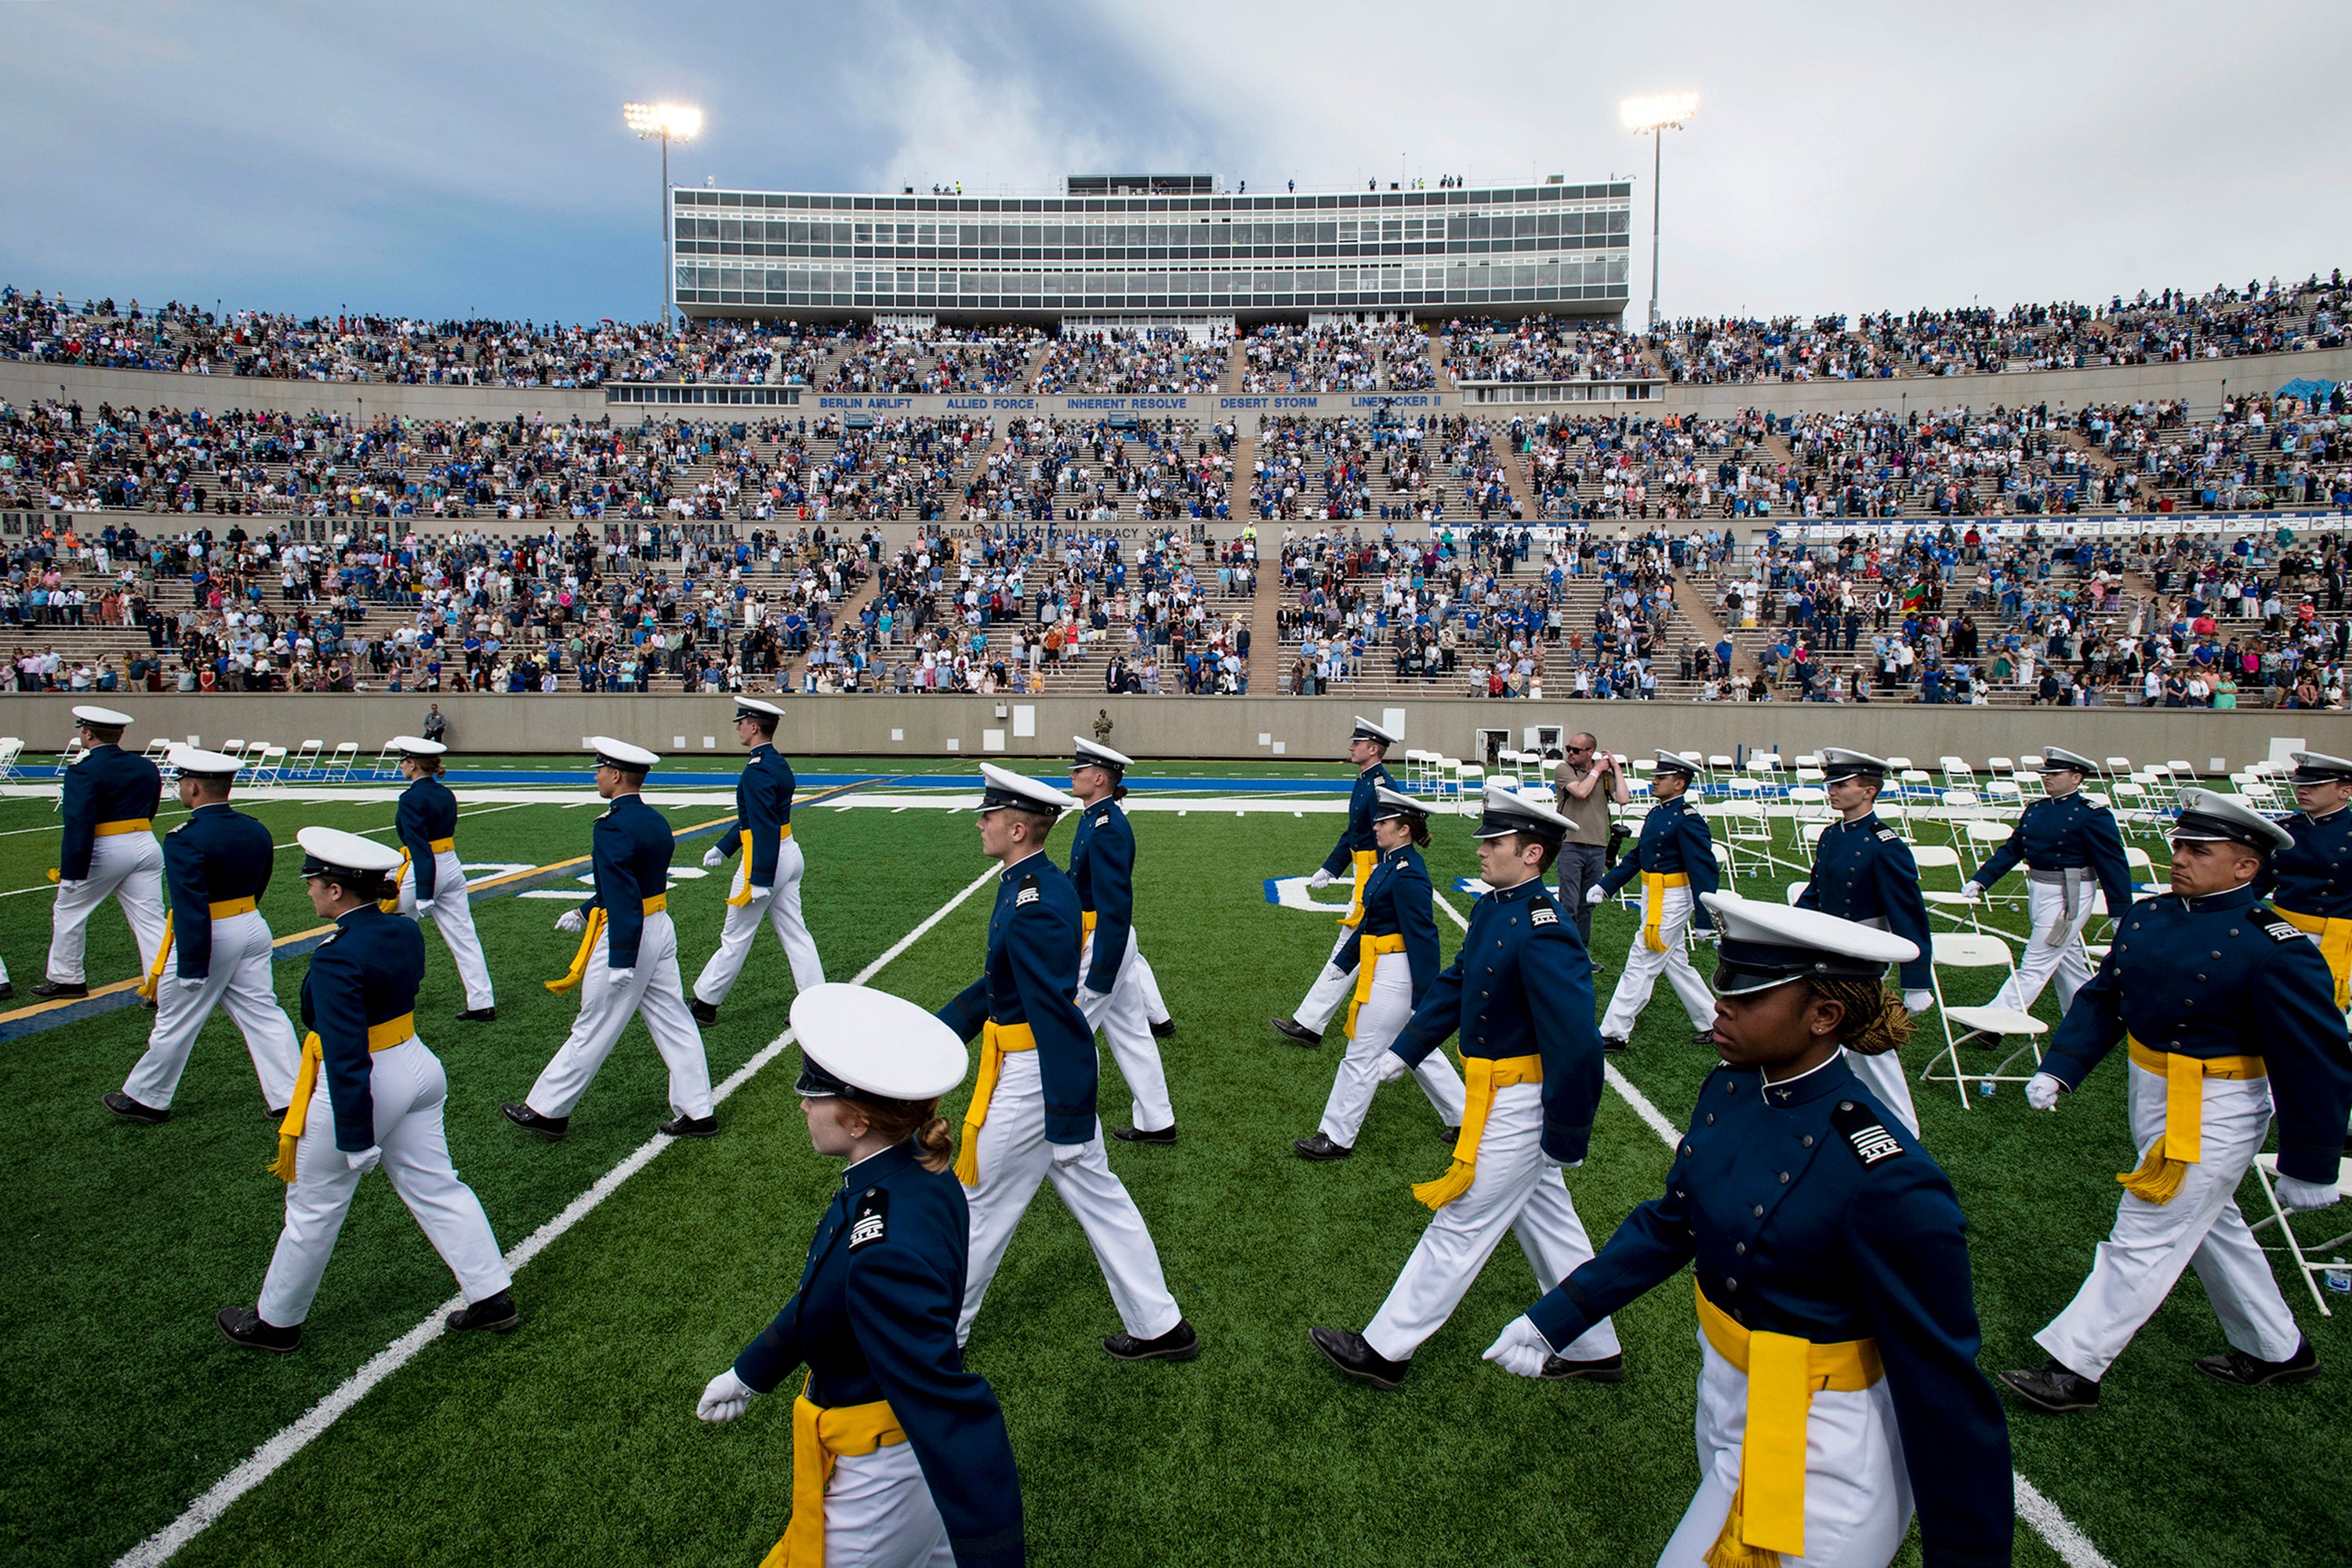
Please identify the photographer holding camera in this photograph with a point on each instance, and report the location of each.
(1585, 784)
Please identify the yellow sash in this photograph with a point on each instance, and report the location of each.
(1484, 1076)
(1365, 860)
(819, 1438)
(2334, 945)
(1654, 902)
(128, 825)
(2182, 1143)
(155, 971)
(578, 969)
(1367, 957)
(996, 1041)
(1768, 1512)
(381, 1037)
(390, 906)
(739, 899)
(1086, 921)
(224, 908)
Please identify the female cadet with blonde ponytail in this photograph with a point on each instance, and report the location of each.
(1838, 1388)
(899, 1455)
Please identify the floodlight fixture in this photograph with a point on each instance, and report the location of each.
(1653, 116)
(667, 122)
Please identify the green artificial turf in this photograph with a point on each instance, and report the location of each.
(573, 1439)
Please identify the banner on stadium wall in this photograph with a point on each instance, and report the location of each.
(1089, 407)
(2058, 529)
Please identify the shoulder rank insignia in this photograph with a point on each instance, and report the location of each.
(1029, 893)
(1888, 836)
(1104, 820)
(1873, 1144)
(1543, 915)
(872, 1220)
(2280, 930)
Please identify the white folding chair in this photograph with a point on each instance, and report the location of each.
(338, 766)
(2266, 1171)
(269, 768)
(11, 749)
(1949, 902)
(1970, 949)
(387, 762)
(306, 758)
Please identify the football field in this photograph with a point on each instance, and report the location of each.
(129, 1426)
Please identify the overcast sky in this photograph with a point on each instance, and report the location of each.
(430, 158)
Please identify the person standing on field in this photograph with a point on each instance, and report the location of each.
(1586, 788)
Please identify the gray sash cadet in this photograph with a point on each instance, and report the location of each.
(627, 962)
(2069, 846)
(1367, 746)
(1112, 971)
(767, 890)
(109, 850)
(371, 1093)
(430, 879)
(217, 948)
(1519, 997)
(2229, 1016)
(1674, 857)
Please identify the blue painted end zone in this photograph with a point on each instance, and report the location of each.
(1271, 896)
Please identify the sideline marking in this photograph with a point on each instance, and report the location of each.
(266, 1460)
(2036, 1510)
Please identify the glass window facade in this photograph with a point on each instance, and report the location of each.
(768, 253)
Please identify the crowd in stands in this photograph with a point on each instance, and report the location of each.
(933, 361)
(1130, 363)
(1342, 469)
(1099, 472)
(1337, 357)
(1539, 348)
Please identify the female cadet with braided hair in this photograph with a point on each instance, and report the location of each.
(1838, 1389)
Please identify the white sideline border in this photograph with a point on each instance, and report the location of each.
(266, 1460)
(2069, 1543)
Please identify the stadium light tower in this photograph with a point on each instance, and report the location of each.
(1653, 117)
(671, 122)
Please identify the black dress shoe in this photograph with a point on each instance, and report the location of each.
(1978, 1039)
(244, 1326)
(1162, 1029)
(276, 1115)
(148, 1002)
(1611, 1045)
(1703, 1037)
(1607, 1369)
(2235, 1365)
(48, 989)
(1348, 1353)
(478, 1016)
(1138, 1135)
(704, 1011)
(1178, 1343)
(1296, 1032)
(1449, 1136)
(530, 1121)
(2053, 1389)
(496, 1313)
(130, 1109)
(1320, 1147)
(684, 1126)
(6, 990)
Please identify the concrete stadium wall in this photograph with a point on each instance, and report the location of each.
(1209, 728)
(2200, 380)
(21, 382)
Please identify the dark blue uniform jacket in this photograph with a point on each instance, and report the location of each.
(2314, 878)
(764, 808)
(1397, 899)
(631, 848)
(109, 785)
(1357, 835)
(1673, 839)
(1032, 968)
(366, 974)
(1864, 872)
(1102, 869)
(216, 855)
(2062, 833)
(427, 812)
(875, 1319)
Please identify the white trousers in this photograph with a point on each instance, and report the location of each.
(1379, 1021)
(1883, 1075)
(1643, 966)
(1014, 1158)
(1155, 1006)
(1124, 1018)
(781, 909)
(1857, 1489)
(239, 983)
(1332, 989)
(409, 1089)
(878, 1513)
(453, 917)
(128, 866)
(605, 1009)
(2133, 1269)
(2039, 960)
(1513, 1190)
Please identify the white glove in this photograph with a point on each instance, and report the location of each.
(616, 978)
(1066, 1154)
(188, 984)
(1971, 892)
(724, 1397)
(2042, 1091)
(1086, 996)
(756, 892)
(1595, 893)
(1392, 1066)
(711, 859)
(1917, 1002)
(68, 884)
(1520, 1349)
(424, 907)
(1706, 938)
(366, 1160)
(573, 921)
(1318, 881)
(2294, 1196)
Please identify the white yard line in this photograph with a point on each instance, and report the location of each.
(266, 1460)
(2037, 1511)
